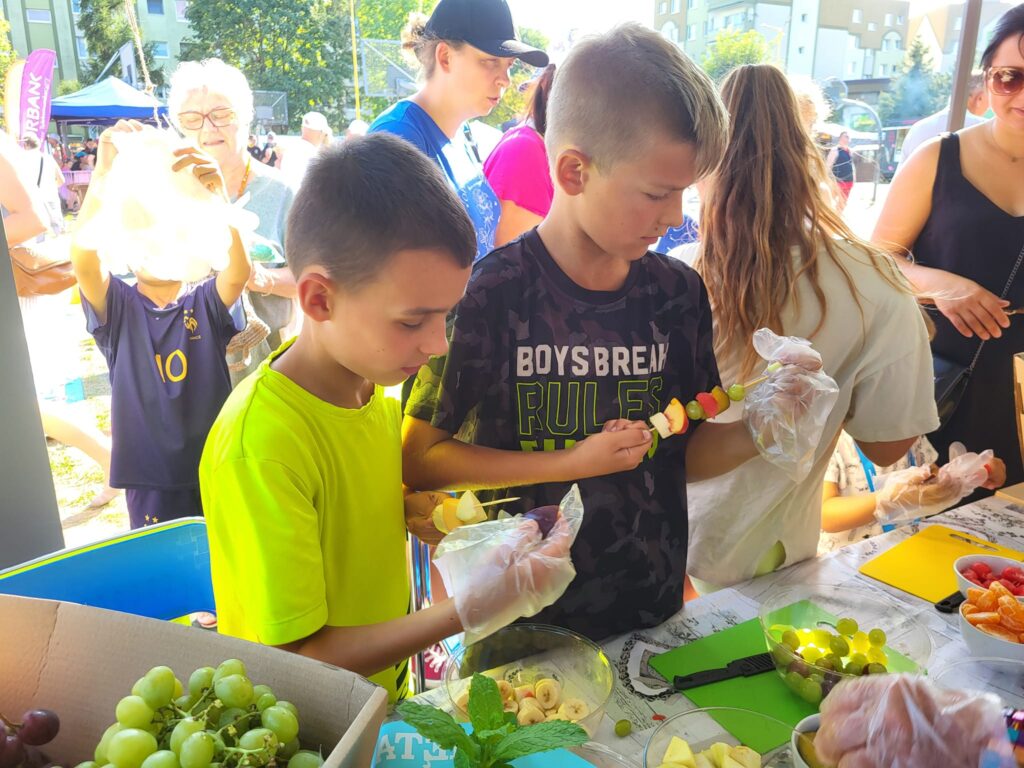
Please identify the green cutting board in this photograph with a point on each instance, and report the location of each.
(765, 693)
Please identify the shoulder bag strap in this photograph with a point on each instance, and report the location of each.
(1006, 290)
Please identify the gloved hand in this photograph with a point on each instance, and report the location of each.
(905, 721)
(503, 570)
(787, 413)
(919, 492)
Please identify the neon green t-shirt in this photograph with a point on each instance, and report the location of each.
(304, 507)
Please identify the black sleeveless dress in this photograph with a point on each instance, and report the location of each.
(969, 235)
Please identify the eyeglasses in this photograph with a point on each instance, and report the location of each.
(1005, 81)
(219, 118)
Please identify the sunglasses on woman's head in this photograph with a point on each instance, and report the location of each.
(1005, 81)
(219, 118)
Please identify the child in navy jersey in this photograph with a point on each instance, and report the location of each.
(164, 343)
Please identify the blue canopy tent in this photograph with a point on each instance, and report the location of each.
(104, 103)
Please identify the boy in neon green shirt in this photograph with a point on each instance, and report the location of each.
(301, 475)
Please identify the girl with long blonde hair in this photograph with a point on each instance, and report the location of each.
(776, 254)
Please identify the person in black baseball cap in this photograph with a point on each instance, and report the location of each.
(465, 50)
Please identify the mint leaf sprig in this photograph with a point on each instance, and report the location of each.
(497, 737)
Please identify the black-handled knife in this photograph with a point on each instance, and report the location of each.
(751, 665)
(950, 604)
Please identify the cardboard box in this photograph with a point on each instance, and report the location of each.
(80, 661)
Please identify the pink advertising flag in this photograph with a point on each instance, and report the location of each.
(36, 82)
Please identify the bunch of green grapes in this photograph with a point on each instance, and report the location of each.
(222, 721)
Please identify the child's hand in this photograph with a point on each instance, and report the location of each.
(610, 451)
(419, 509)
(996, 474)
(204, 168)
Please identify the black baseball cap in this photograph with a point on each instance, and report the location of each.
(484, 24)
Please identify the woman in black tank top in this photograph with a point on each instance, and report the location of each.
(958, 208)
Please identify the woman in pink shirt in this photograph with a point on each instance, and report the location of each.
(518, 169)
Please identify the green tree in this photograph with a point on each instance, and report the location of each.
(917, 91)
(7, 53)
(301, 49)
(104, 24)
(732, 48)
(64, 87)
(384, 19)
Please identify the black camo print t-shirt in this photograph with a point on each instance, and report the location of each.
(537, 363)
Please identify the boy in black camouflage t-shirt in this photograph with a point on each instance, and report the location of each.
(569, 338)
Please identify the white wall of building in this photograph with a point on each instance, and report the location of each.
(802, 38)
(830, 55)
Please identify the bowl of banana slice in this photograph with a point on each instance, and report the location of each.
(543, 673)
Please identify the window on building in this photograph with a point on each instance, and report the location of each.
(38, 16)
(670, 31)
(803, 17)
(872, 26)
(691, 4)
(155, 7)
(180, 9)
(76, 6)
(899, 19)
(888, 19)
(852, 67)
(160, 50)
(675, 6)
(882, 69)
(81, 47)
(959, 23)
(691, 31)
(857, 16)
(801, 50)
(663, 6)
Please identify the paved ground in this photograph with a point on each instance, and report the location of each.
(77, 479)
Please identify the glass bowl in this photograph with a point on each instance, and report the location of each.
(700, 728)
(1003, 677)
(813, 668)
(600, 756)
(524, 654)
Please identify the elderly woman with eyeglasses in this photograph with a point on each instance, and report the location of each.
(212, 105)
(957, 208)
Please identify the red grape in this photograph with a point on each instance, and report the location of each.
(13, 752)
(39, 726)
(544, 517)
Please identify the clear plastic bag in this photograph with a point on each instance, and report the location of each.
(161, 221)
(918, 492)
(905, 721)
(786, 414)
(503, 570)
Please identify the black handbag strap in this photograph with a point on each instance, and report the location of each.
(1006, 290)
(39, 180)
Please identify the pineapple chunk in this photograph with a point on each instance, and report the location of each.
(745, 757)
(702, 761)
(679, 753)
(718, 752)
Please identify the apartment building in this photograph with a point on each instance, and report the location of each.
(939, 29)
(54, 24)
(841, 39)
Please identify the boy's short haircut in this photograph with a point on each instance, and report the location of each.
(363, 201)
(614, 88)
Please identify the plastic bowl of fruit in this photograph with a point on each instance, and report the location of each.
(703, 738)
(818, 636)
(981, 570)
(992, 623)
(543, 673)
(1002, 677)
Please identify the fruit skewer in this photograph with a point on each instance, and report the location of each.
(676, 418)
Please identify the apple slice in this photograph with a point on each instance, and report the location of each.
(676, 415)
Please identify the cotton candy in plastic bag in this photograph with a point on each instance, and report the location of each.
(502, 570)
(161, 221)
(906, 721)
(786, 414)
(915, 492)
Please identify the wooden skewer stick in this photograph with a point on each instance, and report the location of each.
(500, 501)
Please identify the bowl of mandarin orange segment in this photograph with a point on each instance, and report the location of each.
(992, 622)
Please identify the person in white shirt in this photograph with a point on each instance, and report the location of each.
(296, 155)
(41, 168)
(775, 253)
(933, 125)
